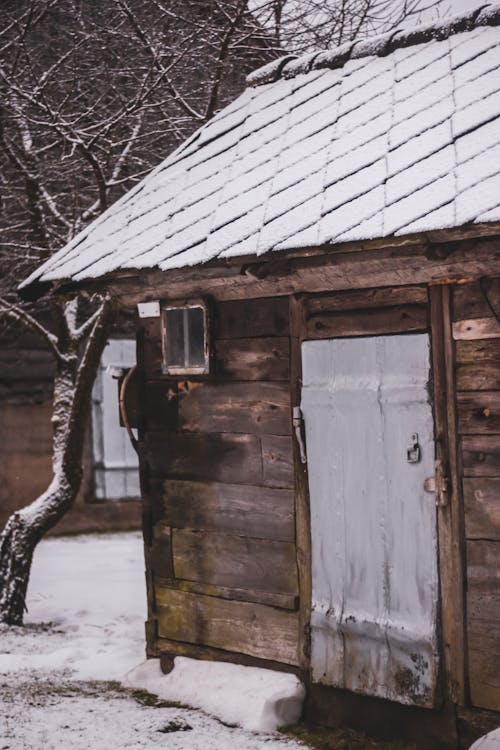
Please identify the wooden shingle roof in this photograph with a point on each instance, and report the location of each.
(395, 135)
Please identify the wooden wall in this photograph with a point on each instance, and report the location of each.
(217, 472)
(477, 344)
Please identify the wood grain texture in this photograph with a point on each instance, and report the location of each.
(479, 412)
(469, 302)
(481, 455)
(478, 365)
(205, 456)
(262, 512)
(252, 318)
(253, 408)
(482, 508)
(476, 328)
(450, 516)
(252, 359)
(249, 628)
(277, 461)
(403, 318)
(271, 598)
(365, 299)
(234, 561)
(483, 600)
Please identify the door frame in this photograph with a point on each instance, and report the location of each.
(385, 311)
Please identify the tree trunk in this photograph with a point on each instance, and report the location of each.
(71, 403)
(18, 541)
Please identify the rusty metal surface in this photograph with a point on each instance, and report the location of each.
(374, 540)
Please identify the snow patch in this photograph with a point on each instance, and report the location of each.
(258, 700)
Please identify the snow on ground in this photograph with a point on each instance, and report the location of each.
(84, 630)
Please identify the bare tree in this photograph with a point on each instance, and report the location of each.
(92, 96)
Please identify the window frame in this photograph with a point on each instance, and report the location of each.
(173, 370)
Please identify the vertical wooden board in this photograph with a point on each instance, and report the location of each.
(483, 600)
(252, 318)
(277, 461)
(481, 455)
(482, 508)
(248, 628)
(478, 412)
(235, 561)
(149, 331)
(210, 457)
(252, 358)
(262, 512)
(478, 365)
(159, 559)
(252, 408)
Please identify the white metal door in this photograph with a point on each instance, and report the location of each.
(373, 527)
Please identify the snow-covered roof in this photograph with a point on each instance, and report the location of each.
(395, 135)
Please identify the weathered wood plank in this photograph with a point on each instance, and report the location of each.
(159, 558)
(478, 365)
(254, 629)
(364, 299)
(252, 318)
(483, 600)
(235, 561)
(301, 483)
(252, 408)
(262, 512)
(277, 461)
(476, 328)
(450, 511)
(478, 412)
(149, 340)
(252, 359)
(482, 508)
(272, 599)
(206, 456)
(337, 270)
(403, 318)
(481, 456)
(469, 302)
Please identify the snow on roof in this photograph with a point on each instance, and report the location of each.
(393, 135)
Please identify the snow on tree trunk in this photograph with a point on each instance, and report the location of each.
(78, 352)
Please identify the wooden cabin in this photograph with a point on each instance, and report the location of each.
(317, 278)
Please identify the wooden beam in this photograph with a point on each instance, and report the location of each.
(450, 515)
(270, 598)
(302, 507)
(476, 328)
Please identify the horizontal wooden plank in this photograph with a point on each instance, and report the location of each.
(277, 461)
(481, 456)
(482, 508)
(478, 365)
(251, 318)
(253, 359)
(483, 617)
(402, 318)
(476, 328)
(272, 599)
(249, 628)
(478, 412)
(235, 561)
(262, 512)
(252, 408)
(365, 299)
(207, 456)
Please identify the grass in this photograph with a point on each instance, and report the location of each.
(321, 738)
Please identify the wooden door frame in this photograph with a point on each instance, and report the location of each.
(451, 535)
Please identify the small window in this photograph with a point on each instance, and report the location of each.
(185, 339)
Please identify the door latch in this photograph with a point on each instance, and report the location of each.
(298, 424)
(413, 452)
(438, 484)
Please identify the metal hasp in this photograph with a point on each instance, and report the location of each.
(438, 484)
(413, 453)
(298, 423)
(373, 530)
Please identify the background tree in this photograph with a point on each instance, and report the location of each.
(93, 94)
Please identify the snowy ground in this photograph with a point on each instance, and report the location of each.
(85, 630)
